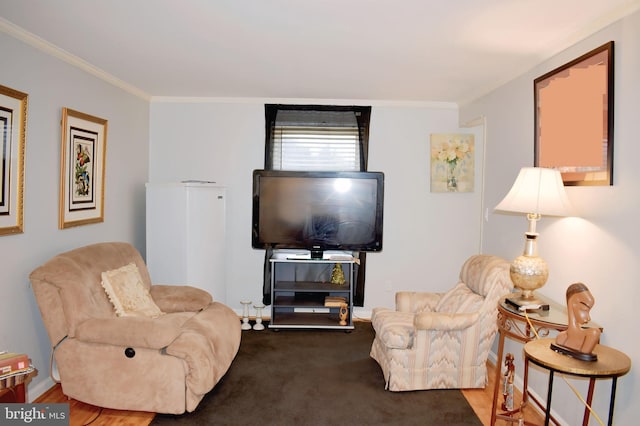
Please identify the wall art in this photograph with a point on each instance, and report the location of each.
(13, 127)
(574, 119)
(452, 162)
(82, 169)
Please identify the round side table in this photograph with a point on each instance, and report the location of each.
(611, 364)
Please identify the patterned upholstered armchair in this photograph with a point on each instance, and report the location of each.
(442, 340)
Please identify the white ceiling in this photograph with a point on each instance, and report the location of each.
(394, 50)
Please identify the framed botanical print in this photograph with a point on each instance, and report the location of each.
(82, 169)
(13, 126)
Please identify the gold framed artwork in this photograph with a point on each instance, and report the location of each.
(13, 127)
(452, 162)
(82, 169)
(574, 119)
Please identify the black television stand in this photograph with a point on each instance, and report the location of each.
(302, 295)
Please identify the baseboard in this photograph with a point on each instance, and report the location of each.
(34, 392)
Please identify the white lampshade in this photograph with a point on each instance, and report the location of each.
(537, 191)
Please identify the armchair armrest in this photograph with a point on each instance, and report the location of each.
(140, 332)
(179, 298)
(412, 301)
(444, 321)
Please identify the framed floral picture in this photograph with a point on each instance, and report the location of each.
(13, 126)
(82, 169)
(452, 162)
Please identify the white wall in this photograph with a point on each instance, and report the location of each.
(51, 85)
(423, 245)
(601, 247)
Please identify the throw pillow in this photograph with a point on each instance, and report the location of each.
(128, 294)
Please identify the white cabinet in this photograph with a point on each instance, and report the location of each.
(186, 235)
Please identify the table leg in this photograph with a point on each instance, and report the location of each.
(547, 414)
(612, 401)
(587, 413)
(498, 376)
(525, 383)
(22, 393)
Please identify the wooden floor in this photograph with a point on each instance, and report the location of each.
(83, 414)
(481, 402)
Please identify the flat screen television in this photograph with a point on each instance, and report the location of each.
(317, 211)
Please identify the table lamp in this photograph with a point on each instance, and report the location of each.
(536, 192)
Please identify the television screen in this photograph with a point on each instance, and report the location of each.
(317, 210)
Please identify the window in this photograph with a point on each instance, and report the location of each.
(316, 138)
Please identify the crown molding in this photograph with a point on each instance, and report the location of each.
(55, 51)
(304, 101)
(43, 45)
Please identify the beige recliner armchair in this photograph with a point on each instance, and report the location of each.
(119, 342)
(442, 340)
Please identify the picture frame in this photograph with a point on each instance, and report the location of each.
(13, 127)
(82, 169)
(452, 162)
(573, 114)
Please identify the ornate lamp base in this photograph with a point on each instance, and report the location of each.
(528, 273)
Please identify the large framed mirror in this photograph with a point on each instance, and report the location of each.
(574, 119)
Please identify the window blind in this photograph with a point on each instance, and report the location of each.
(315, 148)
